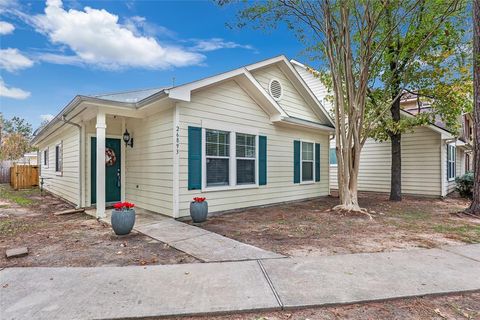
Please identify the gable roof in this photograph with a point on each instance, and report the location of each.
(137, 99)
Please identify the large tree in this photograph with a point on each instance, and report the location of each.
(438, 77)
(15, 135)
(348, 38)
(475, 206)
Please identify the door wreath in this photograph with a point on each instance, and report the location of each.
(110, 157)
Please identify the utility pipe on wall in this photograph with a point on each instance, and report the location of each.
(80, 187)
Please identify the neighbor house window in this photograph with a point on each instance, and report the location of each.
(217, 152)
(467, 162)
(45, 158)
(333, 156)
(451, 157)
(245, 154)
(58, 158)
(307, 161)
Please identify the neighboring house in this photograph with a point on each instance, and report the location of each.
(252, 136)
(432, 157)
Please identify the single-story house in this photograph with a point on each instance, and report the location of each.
(252, 136)
(432, 156)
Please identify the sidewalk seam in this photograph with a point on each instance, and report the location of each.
(270, 284)
(459, 254)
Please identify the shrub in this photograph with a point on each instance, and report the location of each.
(465, 185)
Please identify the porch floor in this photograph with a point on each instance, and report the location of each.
(199, 243)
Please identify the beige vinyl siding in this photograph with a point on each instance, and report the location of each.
(64, 184)
(149, 164)
(421, 171)
(291, 102)
(229, 105)
(317, 87)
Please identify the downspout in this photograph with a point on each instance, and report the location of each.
(80, 191)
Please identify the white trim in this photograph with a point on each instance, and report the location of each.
(232, 158)
(176, 161)
(451, 146)
(301, 162)
(123, 151)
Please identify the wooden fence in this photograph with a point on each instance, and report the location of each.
(23, 176)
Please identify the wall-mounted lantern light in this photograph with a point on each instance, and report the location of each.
(128, 140)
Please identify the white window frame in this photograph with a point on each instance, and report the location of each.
(301, 162)
(45, 156)
(452, 151)
(59, 146)
(232, 129)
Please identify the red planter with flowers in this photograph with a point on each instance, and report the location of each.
(199, 209)
(123, 218)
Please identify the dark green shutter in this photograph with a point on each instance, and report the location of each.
(317, 161)
(194, 158)
(296, 161)
(262, 160)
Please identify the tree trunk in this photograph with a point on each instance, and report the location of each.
(396, 169)
(475, 206)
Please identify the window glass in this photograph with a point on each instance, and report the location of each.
(218, 143)
(218, 172)
(333, 156)
(307, 161)
(217, 152)
(58, 158)
(307, 171)
(307, 151)
(245, 171)
(245, 145)
(451, 158)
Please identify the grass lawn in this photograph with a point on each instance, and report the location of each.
(310, 228)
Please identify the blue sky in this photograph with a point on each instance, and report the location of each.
(54, 50)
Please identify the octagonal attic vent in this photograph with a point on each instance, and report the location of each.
(275, 88)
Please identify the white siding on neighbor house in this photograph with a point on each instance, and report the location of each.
(149, 164)
(229, 105)
(64, 184)
(421, 171)
(317, 87)
(291, 101)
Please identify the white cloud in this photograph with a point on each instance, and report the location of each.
(6, 28)
(218, 43)
(97, 38)
(46, 117)
(12, 60)
(13, 93)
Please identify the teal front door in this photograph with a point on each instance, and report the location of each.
(112, 170)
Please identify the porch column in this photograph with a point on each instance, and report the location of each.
(101, 128)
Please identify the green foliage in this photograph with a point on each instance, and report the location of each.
(465, 185)
(15, 135)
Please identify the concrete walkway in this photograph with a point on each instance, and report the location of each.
(202, 244)
(135, 292)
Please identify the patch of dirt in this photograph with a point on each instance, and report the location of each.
(459, 306)
(311, 228)
(75, 240)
